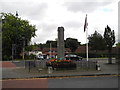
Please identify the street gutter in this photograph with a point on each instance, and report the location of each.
(65, 76)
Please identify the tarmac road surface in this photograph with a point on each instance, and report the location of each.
(84, 82)
(25, 83)
(76, 82)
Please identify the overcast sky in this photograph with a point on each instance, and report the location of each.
(48, 15)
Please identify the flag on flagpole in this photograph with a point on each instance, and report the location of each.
(86, 24)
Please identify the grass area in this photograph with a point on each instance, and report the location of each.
(22, 59)
(100, 58)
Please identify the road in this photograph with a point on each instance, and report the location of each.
(25, 83)
(76, 82)
(84, 82)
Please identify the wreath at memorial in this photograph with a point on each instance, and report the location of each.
(61, 63)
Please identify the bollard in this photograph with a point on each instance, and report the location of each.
(50, 69)
(98, 67)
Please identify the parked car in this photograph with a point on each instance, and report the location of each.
(73, 57)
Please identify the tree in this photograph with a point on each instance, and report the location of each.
(118, 44)
(72, 44)
(69, 43)
(118, 52)
(109, 37)
(16, 33)
(30, 48)
(96, 41)
(40, 45)
(53, 43)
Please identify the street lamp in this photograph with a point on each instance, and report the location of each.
(16, 14)
(23, 50)
(14, 45)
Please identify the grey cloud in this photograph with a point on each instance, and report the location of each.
(119, 22)
(86, 6)
(49, 27)
(37, 11)
(45, 32)
(41, 38)
(72, 24)
(31, 10)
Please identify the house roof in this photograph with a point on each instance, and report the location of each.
(44, 50)
(82, 49)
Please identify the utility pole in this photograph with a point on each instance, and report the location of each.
(50, 50)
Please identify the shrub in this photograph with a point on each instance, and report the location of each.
(61, 63)
(6, 58)
(31, 56)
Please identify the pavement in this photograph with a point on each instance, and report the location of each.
(16, 70)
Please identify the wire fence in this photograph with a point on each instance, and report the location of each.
(41, 64)
(86, 64)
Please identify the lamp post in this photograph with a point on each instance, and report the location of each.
(23, 50)
(14, 45)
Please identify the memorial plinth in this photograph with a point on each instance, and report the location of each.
(60, 44)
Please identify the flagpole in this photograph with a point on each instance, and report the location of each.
(87, 43)
(86, 27)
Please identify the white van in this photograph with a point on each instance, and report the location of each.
(41, 56)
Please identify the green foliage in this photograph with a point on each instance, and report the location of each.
(72, 44)
(109, 37)
(96, 41)
(118, 44)
(69, 43)
(30, 48)
(47, 44)
(15, 31)
(31, 56)
(53, 43)
(7, 58)
(40, 46)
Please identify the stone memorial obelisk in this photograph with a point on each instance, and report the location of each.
(60, 44)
